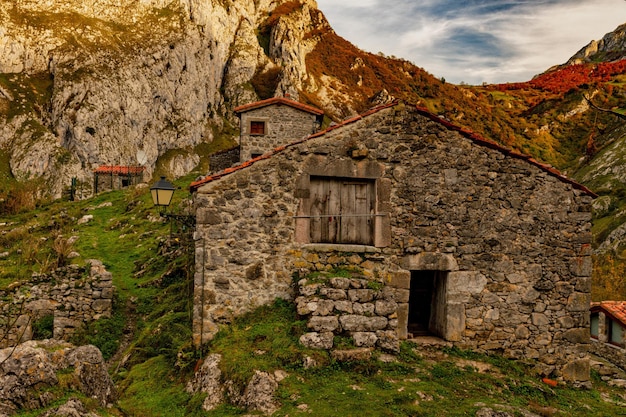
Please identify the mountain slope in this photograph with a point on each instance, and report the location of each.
(92, 83)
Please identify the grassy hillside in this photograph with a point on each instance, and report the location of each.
(151, 358)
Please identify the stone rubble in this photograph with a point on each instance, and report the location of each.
(32, 365)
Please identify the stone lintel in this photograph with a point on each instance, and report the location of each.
(430, 261)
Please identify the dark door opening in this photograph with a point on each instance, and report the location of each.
(421, 302)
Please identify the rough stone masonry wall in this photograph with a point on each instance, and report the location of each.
(512, 240)
(283, 124)
(614, 354)
(358, 306)
(74, 295)
(224, 159)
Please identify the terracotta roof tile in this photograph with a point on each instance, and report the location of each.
(615, 309)
(119, 169)
(278, 100)
(479, 140)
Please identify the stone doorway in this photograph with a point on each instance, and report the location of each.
(427, 303)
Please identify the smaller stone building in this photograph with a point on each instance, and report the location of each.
(116, 177)
(608, 322)
(608, 331)
(267, 124)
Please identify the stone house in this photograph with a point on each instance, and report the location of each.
(443, 233)
(116, 177)
(608, 322)
(267, 124)
(608, 331)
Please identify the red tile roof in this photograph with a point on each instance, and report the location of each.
(119, 169)
(278, 100)
(615, 309)
(479, 140)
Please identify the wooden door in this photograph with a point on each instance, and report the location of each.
(342, 211)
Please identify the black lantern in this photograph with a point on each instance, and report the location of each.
(162, 192)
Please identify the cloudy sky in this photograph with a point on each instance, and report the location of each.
(476, 41)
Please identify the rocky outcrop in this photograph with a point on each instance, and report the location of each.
(98, 83)
(207, 380)
(31, 366)
(72, 408)
(258, 394)
(611, 47)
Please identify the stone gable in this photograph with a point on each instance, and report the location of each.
(478, 247)
(280, 124)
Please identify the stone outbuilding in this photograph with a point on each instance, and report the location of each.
(608, 322)
(395, 224)
(267, 124)
(608, 331)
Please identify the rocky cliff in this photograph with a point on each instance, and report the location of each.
(611, 47)
(89, 83)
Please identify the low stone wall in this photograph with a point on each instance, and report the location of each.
(223, 159)
(613, 354)
(73, 295)
(357, 307)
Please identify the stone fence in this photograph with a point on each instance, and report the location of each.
(351, 307)
(224, 159)
(341, 296)
(73, 296)
(614, 354)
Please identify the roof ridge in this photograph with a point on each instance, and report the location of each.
(465, 132)
(281, 100)
(513, 153)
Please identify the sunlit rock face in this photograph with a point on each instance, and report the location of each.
(90, 83)
(611, 47)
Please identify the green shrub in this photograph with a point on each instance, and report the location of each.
(43, 328)
(105, 334)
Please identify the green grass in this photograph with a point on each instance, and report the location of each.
(420, 382)
(151, 389)
(153, 302)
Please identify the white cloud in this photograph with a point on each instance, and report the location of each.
(489, 41)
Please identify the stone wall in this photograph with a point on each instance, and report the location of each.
(355, 307)
(283, 124)
(224, 159)
(614, 354)
(73, 295)
(114, 181)
(509, 240)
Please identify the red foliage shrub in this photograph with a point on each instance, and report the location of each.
(562, 80)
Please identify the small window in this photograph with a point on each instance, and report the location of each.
(615, 333)
(257, 127)
(595, 323)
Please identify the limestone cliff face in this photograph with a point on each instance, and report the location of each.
(611, 47)
(89, 83)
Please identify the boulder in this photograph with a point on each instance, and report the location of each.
(31, 366)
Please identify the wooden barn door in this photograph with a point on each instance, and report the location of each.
(342, 211)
